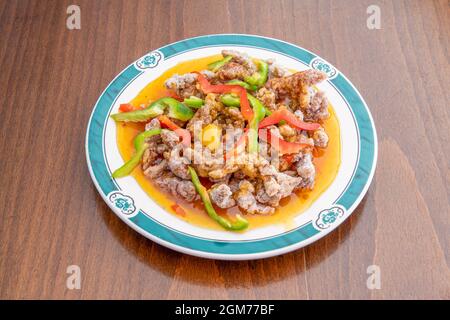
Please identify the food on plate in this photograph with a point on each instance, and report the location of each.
(242, 133)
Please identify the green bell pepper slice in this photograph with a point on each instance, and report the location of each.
(259, 113)
(194, 102)
(140, 147)
(230, 100)
(259, 78)
(177, 110)
(216, 65)
(239, 224)
(243, 84)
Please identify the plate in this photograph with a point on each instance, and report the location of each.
(131, 204)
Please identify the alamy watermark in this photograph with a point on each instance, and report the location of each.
(74, 279)
(229, 152)
(73, 21)
(374, 19)
(374, 280)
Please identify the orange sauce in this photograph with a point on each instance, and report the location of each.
(326, 161)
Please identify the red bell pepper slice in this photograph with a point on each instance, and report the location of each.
(172, 94)
(184, 134)
(178, 210)
(290, 118)
(126, 107)
(281, 145)
(207, 87)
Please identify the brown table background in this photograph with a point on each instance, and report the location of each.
(52, 215)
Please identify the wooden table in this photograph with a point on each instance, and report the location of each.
(53, 217)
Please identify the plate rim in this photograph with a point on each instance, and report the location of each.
(238, 256)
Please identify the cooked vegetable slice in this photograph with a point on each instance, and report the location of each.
(177, 110)
(178, 210)
(125, 107)
(243, 84)
(140, 146)
(259, 78)
(239, 224)
(258, 114)
(207, 87)
(172, 94)
(139, 115)
(184, 134)
(194, 102)
(282, 146)
(230, 100)
(214, 66)
(284, 114)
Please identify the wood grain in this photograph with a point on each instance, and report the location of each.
(53, 217)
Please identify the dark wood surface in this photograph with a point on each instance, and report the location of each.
(52, 215)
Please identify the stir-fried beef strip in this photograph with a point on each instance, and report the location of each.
(253, 182)
(241, 58)
(320, 138)
(232, 71)
(222, 195)
(268, 98)
(299, 88)
(176, 186)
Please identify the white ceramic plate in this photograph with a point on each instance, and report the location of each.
(127, 199)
